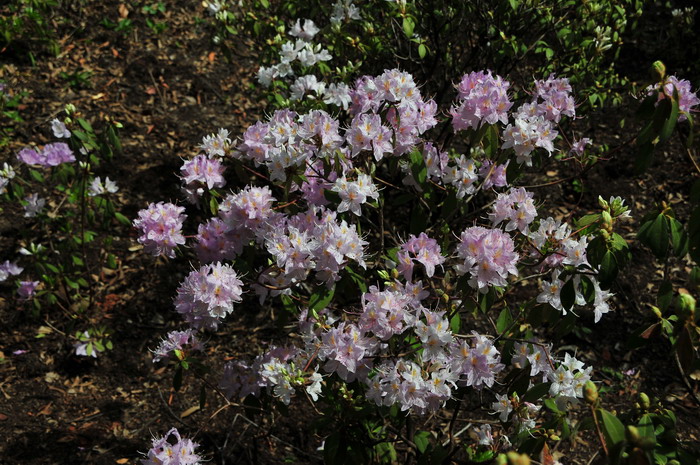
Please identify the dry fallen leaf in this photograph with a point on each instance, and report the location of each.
(189, 411)
(123, 11)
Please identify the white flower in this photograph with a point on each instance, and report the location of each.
(34, 205)
(59, 129)
(98, 188)
(307, 32)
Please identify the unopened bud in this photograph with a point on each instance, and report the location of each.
(607, 220)
(603, 203)
(501, 459)
(659, 70)
(590, 392)
(517, 459)
(632, 434)
(554, 437)
(686, 304)
(644, 401)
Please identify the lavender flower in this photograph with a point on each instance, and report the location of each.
(207, 295)
(27, 289)
(161, 228)
(164, 452)
(176, 341)
(51, 155)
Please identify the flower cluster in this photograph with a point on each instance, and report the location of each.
(52, 155)
(517, 207)
(199, 172)
(207, 295)
(179, 452)
(482, 97)
(161, 228)
(687, 99)
(489, 256)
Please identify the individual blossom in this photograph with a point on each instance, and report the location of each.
(421, 249)
(97, 187)
(81, 347)
(354, 193)
(164, 451)
(305, 32)
(304, 85)
(207, 295)
(578, 146)
(27, 289)
(161, 228)
(338, 95)
(177, 343)
(344, 10)
(462, 175)
(8, 269)
(33, 205)
(493, 175)
(59, 129)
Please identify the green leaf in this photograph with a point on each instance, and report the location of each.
(613, 429)
(654, 234)
(265, 3)
(679, 238)
(408, 25)
(671, 120)
(456, 323)
(422, 51)
(85, 125)
(504, 321)
(213, 206)
(177, 379)
(514, 4)
(685, 350)
(122, 219)
(418, 168)
(111, 261)
(321, 298)
(665, 295)
(36, 175)
(608, 269)
(568, 295)
(422, 440)
(536, 392)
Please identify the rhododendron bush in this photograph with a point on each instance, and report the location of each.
(417, 267)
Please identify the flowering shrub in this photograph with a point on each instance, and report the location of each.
(56, 190)
(379, 333)
(317, 56)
